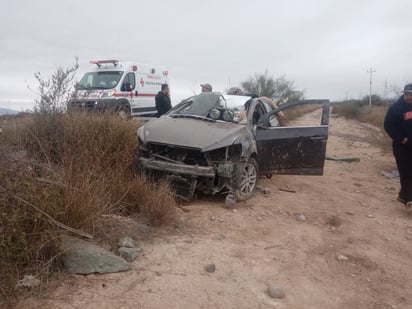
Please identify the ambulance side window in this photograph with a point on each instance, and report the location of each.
(129, 82)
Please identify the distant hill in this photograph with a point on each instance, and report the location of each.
(6, 111)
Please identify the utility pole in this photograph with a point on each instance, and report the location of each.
(370, 71)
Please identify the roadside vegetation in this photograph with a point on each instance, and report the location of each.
(61, 172)
(374, 115)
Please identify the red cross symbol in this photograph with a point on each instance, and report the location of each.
(142, 82)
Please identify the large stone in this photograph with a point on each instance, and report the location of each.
(83, 257)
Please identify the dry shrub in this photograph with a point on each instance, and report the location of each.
(295, 112)
(78, 167)
(154, 201)
(350, 109)
(374, 115)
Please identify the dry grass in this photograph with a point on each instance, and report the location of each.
(78, 168)
(298, 111)
(374, 115)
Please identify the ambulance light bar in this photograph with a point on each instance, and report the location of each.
(100, 62)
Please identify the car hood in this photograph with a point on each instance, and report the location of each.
(192, 133)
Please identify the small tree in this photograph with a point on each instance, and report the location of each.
(54, 92)
(279, 89)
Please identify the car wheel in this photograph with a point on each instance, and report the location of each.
(123, 112)
(247, 175)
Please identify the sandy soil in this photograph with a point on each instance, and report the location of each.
(351, 211)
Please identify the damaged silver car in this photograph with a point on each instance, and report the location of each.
(214, 143)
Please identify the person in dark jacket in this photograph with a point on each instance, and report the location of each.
(398, 124)
(163, 103)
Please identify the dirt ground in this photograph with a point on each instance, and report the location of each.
(350, 211)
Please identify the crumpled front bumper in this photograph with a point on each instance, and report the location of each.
(180, 169)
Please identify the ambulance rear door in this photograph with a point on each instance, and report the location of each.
(148, 84)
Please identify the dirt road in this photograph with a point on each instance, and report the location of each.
(350, 211)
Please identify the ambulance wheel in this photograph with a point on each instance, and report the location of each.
(124, 112)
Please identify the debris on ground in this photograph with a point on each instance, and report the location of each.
(129, 254)
(300, 218)
(263, 190)
(349, 160)
(342, 258)
(287, 190)
(390, 175)
(212, 218)
(28, 281)
(230, 201)
(127, 242)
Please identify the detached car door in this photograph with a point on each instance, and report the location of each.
(293, 150)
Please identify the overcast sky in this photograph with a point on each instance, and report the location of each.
(325, 46)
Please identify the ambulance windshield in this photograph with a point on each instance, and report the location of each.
(100, 80)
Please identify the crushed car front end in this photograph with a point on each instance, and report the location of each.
(203, 161)
(190, 170)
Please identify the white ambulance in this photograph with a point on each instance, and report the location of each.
(126, 88)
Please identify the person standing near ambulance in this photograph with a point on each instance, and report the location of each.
(398, 125)
(163, 104)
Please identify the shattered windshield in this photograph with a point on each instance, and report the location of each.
(100, 80)
(199, 105)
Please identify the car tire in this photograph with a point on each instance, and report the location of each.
(246, 178)
(123, 112)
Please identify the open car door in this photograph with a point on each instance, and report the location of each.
(293, 150)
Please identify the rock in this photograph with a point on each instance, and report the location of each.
(83, 257)
(300, 218)
(259, 218)
(370, 216)
(276, 292)
(342, 258)
(212, 218)
(210, 268)
(129, 254)
(126, 242)
(28, 281)
(230, 201)
(221, 220)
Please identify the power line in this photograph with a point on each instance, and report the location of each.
(370, 71)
